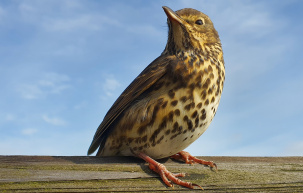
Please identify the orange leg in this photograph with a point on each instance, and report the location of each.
(165, 174)
(189, 159)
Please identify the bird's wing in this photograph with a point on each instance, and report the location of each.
(153, 72)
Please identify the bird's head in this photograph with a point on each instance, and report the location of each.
(189, 30)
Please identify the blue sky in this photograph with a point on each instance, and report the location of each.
(63, 64)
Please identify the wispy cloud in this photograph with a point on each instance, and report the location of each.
(68, 50)
(144, 30)
(29, 131)
(84, 22)
(28, 91)
(9, 117)
(50, 83)
(110, 85)
(236, 18)
(295, 148)
(54, 120)
(249, 18)
(67, 17)
(2, 12)
(80, 105)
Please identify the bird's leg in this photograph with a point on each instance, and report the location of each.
(165, 174)
(189, 159)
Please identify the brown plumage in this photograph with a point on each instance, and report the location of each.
(172, 102)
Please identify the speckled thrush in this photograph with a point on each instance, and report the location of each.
(172, 102)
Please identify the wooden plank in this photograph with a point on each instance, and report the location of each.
(128, 174)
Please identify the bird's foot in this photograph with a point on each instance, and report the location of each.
(165, 174)
(189, 159)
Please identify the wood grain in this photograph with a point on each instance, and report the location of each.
(128, 174)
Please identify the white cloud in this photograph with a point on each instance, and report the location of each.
(249, 18)
(2, 13)
(49, 144)
(28, 12)
(294, 149)
(29, 131)
(68, 50)
(56, 78)
(28, 91)
(50, 83)
(110, 85)
(81, 105)
(63, 16)
(145, 30)
(26, 8)
(9, 117)
(54, 120)
(253, 18)
(83, 22)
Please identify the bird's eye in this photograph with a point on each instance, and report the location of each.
(199, 22)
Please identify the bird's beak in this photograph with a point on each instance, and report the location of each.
(172, 16)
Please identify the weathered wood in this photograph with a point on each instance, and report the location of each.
(126, 174)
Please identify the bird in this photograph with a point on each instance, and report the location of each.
(171, 102)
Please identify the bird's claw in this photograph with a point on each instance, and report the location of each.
(189, 159)
(167, 177)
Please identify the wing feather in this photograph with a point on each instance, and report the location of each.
(148, 77)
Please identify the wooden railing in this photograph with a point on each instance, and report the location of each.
(128, 174)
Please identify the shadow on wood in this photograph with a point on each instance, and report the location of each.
(126, 174)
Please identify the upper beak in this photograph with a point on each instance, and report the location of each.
(172, 16)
